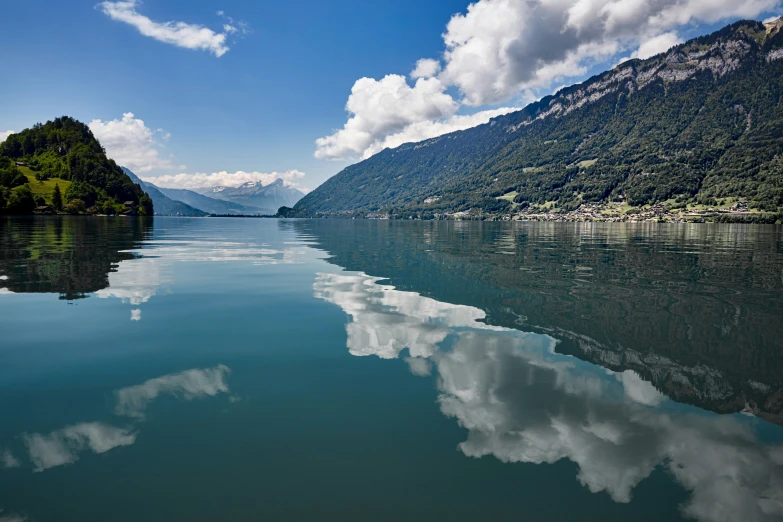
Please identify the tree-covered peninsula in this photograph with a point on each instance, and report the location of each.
(60, 168)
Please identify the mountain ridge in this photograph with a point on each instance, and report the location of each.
(267, 197)
(697, 125)
(184, 202)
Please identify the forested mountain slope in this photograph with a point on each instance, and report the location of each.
(65, 150)
(700, 124)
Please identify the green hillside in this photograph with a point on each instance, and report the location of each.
(43, 187)
(64, 153)
(699, 126)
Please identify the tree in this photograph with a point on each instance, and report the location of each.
(57, 198)
(21, 201)
(82, 191)
(108, 207)
(75, 206)
(145, 205)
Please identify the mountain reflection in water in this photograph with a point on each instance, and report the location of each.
(521, 401)
(109, 258)
(70, 256)
(693, 309)
(644, 361)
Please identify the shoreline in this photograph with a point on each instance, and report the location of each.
(749, 218)
(708, 216)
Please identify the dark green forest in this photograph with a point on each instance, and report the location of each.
(699, 125)
(64, 152)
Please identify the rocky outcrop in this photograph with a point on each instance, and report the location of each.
(677, 65)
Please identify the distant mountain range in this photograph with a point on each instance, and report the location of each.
(698, 125)
(165, 206)
(211, 205)
(249, 199)
(268, 198)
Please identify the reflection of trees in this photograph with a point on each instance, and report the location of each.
(694, 309)
(69, 256)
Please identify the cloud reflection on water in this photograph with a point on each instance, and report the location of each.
(8, 459)
(136, 281)
(188, 385)
(63, 446)
(522, 402)
(11, 517)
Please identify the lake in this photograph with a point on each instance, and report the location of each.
(258, 369)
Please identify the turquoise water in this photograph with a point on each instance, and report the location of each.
(253, 369)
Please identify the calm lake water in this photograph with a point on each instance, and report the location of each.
(249, 369)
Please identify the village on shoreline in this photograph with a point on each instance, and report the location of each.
(657, 213)
(599, 212)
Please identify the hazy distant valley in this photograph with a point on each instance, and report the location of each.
(249, 199)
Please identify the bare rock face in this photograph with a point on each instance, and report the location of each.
(677, 65)
(775, 54)
(774, 27)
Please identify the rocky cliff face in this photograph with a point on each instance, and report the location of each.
(678, 65)
(720, 59)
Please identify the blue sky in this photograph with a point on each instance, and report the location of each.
(280, 76)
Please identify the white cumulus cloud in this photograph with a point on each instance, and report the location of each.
(426, 129)
(382, 107)
(4, 135)
(501, 47)
(132, 144)
(501, 51)
(426, 68)
(657, 45)
(226, 179)
(180, 34)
